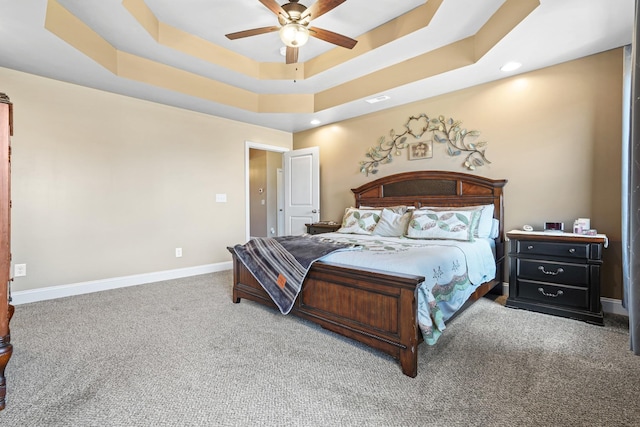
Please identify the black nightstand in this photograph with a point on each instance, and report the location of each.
(556, 273)
(322, 227)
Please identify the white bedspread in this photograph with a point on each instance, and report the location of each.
(452, 270)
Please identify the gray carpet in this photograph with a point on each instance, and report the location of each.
(180, 353)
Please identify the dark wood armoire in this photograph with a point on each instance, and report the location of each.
(6, 309)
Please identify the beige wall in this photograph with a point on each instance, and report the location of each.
(553, 133)
(107, 186)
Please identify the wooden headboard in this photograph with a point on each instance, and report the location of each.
(437, 188)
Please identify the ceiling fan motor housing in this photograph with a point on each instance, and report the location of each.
(294, 10)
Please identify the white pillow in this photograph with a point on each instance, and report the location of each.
(392, 224)
(486, 221)
(359, 221)
(495, 229)
(451, 224)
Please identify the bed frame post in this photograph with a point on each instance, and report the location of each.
(409, 332)
(236, 276)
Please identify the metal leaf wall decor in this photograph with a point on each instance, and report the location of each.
(458, 140)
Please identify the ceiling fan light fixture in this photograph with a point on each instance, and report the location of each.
(294, 34)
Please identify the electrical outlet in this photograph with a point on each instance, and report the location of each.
(178, 252)
(19, 270)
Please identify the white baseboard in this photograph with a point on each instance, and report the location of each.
(609, 305)
(613, 306)
(52, 292)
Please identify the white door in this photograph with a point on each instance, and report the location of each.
(302, 189)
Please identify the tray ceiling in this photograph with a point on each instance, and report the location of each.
(175, 53)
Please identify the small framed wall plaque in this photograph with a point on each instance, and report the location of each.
(421, 150)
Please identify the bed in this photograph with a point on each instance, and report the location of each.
(375, 307)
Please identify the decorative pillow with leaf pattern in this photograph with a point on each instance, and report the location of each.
(484, 223)
(359, 221)
(444, 224)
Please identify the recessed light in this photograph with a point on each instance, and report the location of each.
(510, 66)
(377, 99)
(315, 122)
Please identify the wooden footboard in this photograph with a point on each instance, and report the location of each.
(373, 307)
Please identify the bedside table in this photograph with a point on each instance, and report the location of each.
(556, 273)
(322, 227)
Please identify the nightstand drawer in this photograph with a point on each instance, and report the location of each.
(569, 250)
(554, 294)
(555, 272)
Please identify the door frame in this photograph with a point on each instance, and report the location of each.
(257, 146)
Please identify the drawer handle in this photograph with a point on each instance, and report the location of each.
(551, 273)
(530, 247)
(557, 294)
(572, 251)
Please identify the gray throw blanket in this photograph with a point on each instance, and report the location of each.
(280, 264)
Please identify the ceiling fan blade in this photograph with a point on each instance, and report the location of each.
(252, 32)
(331, 37)
(292, 55)
(274, 7)
(320, 7)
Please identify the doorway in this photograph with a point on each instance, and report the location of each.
(264, 190)
(265, 207)
(297, 198)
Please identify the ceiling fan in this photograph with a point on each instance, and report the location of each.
(294, 29)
